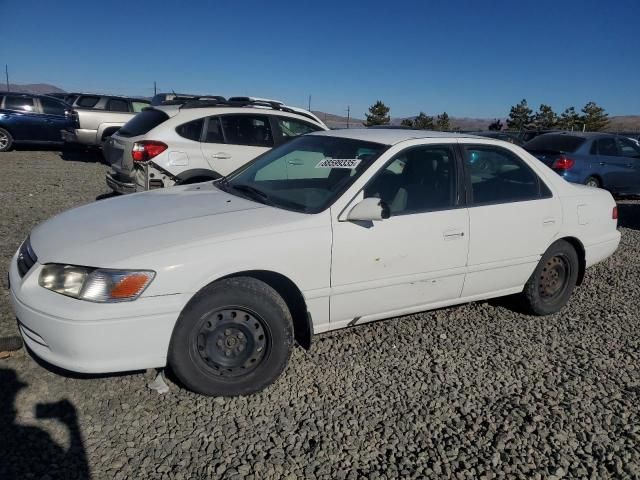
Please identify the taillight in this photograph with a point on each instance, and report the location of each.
(614, 213)
(146, 150)
(563, 163)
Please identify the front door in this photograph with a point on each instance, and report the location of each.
(513, 219)
(415, 258)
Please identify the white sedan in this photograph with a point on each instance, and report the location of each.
(330, 230)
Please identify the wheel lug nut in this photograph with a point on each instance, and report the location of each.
(227, 332)
(220, 342)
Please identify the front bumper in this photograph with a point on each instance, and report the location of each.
(118, 184)
(69, 136)
(90, 337)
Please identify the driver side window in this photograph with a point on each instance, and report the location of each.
(419, 179)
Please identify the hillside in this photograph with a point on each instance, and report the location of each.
(37, 88)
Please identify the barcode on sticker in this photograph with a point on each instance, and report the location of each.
(338, 163)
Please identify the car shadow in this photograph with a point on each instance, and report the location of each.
(28, 451)
(73, 153)
(629, 215)
(104, 196)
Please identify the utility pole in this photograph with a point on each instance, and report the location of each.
(348, 114)
(155, 91)
(6, 73)
(309, 103)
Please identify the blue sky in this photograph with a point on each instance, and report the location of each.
(468, 58)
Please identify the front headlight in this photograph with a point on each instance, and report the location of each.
(95, 284)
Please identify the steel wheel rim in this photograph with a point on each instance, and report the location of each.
(592, 183)
(554, 278)
(231, 342)
(4, 140)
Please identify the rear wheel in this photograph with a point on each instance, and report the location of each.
(6, 140)
(551, 284)
(592, 182)
(233, 338)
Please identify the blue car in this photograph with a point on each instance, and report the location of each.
(600, 160)
(32, 119)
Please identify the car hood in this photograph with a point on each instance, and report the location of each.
(108, 231)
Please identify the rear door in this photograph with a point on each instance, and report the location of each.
(630, 152)
(54, 113)
(616, 170)
(232, 140)
(513, 218)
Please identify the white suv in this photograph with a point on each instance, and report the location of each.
(199, 140)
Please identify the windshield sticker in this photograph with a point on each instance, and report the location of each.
(349, 163)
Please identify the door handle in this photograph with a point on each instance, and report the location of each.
(629, 164)
(548, 221)
(602, 164)
(221, 156)
(452, 234)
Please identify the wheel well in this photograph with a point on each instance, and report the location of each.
(109, 131)
(577, 244)
(291, 294)
(597, 177)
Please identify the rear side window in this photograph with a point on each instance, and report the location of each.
(251, 130)
(555, 143)
(214, 131)
(15, 102)
(52, 107)
(143, 122)
(290, 127)
(70, 99)
(607, 147)
(628, 148)
(87, 101)
(191, 130)
(138, 106)
(117, 105)
(499, 176)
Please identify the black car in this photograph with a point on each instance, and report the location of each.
(35, 119)
(511, 137)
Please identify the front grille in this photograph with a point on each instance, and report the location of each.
(26, 257)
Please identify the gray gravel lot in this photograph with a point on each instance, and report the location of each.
(478, 391)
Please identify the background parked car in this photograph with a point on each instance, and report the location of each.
(198, 141)
(176, 98)
(511, 137)
(99, 116)
(595, 159)
(35, 119)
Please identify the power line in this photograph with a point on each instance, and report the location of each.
(6, 73)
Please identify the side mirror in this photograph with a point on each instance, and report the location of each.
(369, 209)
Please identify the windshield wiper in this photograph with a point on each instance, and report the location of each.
(222, 183)
(253, 193)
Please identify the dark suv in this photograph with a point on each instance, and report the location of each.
(35, 119)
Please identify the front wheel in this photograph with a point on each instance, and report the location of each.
(551, 284)
(233, 338)
(6, 140)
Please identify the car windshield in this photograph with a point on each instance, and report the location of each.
(554, 143)
(305, 174)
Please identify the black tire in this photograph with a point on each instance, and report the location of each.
(233, 338)
(6, 140)
(593, 182)
(552, 282)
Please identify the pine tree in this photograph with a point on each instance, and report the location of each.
(407, 122)
(546, 118)
(520, 116)
(423, 122)
(594, 117)
(378, 115)
(496, 125)
(570, 119)
(442, 123)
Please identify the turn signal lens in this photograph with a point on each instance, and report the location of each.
(130, 286)
(614, 213)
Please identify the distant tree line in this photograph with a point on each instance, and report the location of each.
(521, 117)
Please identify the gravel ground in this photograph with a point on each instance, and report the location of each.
(478, 391)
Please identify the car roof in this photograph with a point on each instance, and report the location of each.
(389, 136)
(585, 135)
